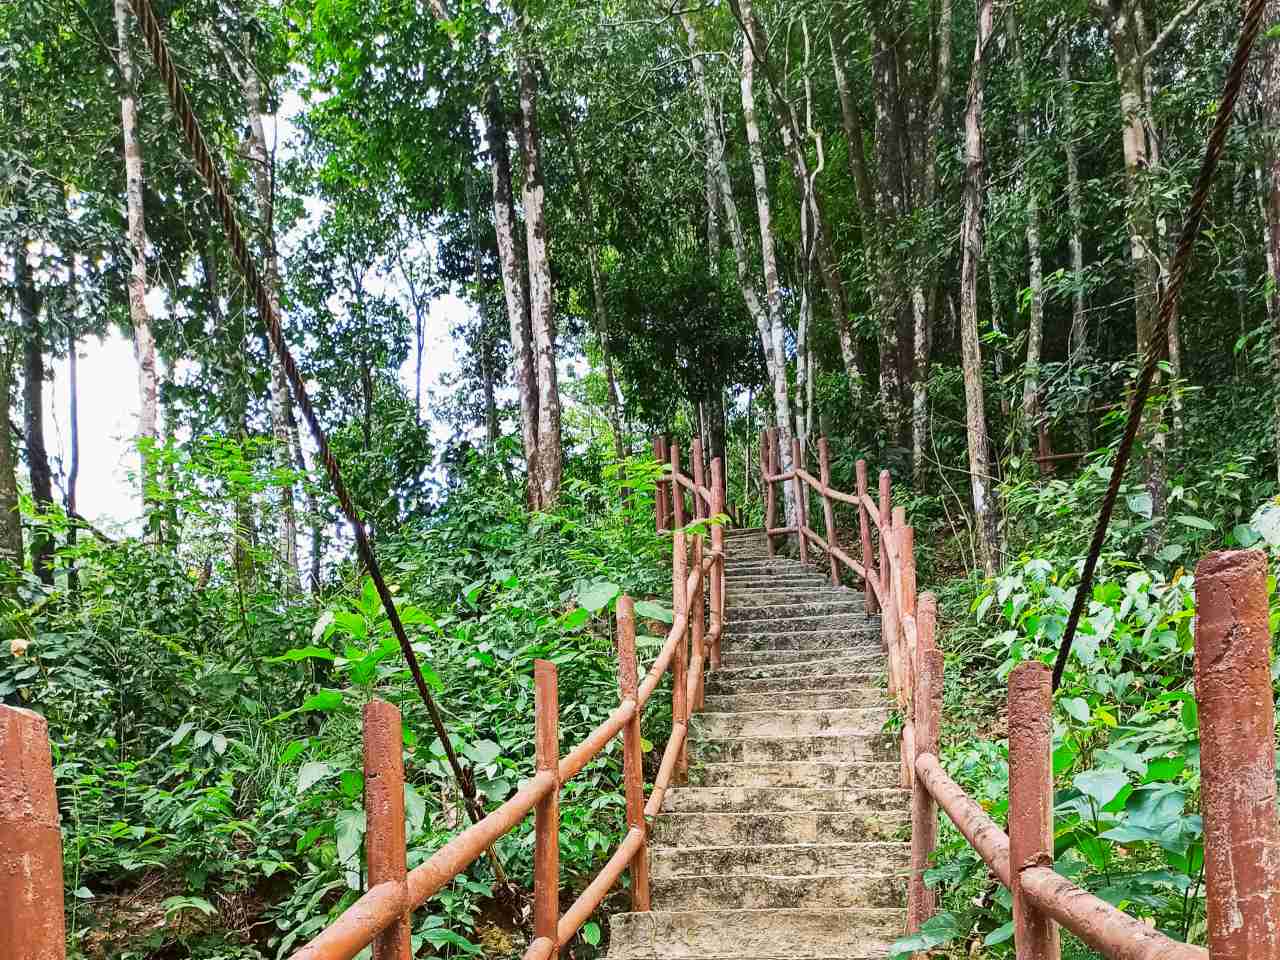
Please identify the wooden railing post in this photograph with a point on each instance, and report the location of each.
(864, 533)
(662, 493)
(717, 572)
(632, 752)
(697, 603)
(907, 551)
(680, 605)
(828, 511)
(889, 613)
(1237, 756)
(384, 816)
(31, 906)
(1031, 803)
(802, 513)
(921, 901)
(546, 849)
(768, 458)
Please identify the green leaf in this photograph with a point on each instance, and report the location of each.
(999, 935)
(483, 752)
(303, 653)
(349, 831)
(293, 751)
(438, 937)
(219, 743)
(181, 733)
(1077, 709)
(1245, 535)
(324, 701)
(591, 933)
(175, 905)
(1198, 523)
(311, 774)
(937, 930)
(576, 619)
(1140, 503)
(1171, 552)
(1101, 785)
(352, 624)
(1164, 769)
(598, 595)
(415, 810)
(651, 610)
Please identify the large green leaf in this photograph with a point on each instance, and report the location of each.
(1101, 785)
(597, 595)
(311, 774)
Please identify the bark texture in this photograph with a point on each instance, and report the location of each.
(33, 408)
(10, 519)
(1271, 191)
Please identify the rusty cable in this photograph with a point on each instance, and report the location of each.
(212, 176)
(1250, 26)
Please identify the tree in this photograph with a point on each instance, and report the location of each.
(10, 519)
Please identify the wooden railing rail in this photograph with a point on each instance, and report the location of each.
(1237, 721)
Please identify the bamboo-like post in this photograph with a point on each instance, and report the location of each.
(828, 511)
(632, 751)
(1031, 803)
(697, 606)
(546, 823)
(922, 902)
(889, 614)
(864, 534)
(1237, 756)
(717, 571)
(662, 493)
(384, 816)
(767, 443)
(680, 606)
(802, 514)
(31, 905)
(907, 551)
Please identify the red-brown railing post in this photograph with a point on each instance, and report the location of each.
(864, 533)
(680, 606)
(798, 485)
(907, 551)
(546, 823)
(828, 511)
(889, 612)
(31, 906)
(1031, 803)
(768, 458)
(701, 511)
(1237, 756)
(632, 754)
(662, 493)
(921, 901)
(717, 571)
(384, 837)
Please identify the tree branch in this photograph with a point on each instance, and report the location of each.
(1167, 33)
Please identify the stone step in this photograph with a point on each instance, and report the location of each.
(822, 698)
(790, 723)
(757, 934)
(859, 676)
(757, 800)
(771, 598)
(736, 586)
(868, 775)
(797, 624)
(746, 658)
(739, 567)
(867, 633)
(831, 749)
(782, 860)
(846, 606)
(818, 891)
(723, 829)
(825, 666)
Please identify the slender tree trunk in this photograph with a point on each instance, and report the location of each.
(514, 285)
(1270, 183)
(10, 518)
(73, 424)
(891, 207)
(144, 346)
(281, 404)
(985, 502)
(1078, 344)
(33, 410)
(1031, 413)
(541, 301)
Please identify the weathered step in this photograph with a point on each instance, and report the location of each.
(831, 749)
(782, 860)
(817, 891)
(824, 665)
(768, 568)
(722, 829)
(750, 584)
(770, 598)
(867, 632)
(718, 684)
(759, 800)
(847, 606)
(868, 775)
(747, 658)
(823, 698)
(832, 621)
(790, 723)
(757, 934)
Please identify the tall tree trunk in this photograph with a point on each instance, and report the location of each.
(541, 301)
(144, 345)
(281, 405)
(1078, 344)
(33, 409)
(985, 502)
(515, 289)
(73, 424)
(1270, 183)
(1031, 413)
(10, 518)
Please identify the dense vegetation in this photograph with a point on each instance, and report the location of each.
(934, 232)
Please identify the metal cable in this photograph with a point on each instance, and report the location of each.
(208, 169)
(1168, 304)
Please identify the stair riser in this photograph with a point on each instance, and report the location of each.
(778, 893)
(722, 829)
(823, 667)
(736, 586)
(869, 775)
(841, 608)
(799, 860)
(745, 658)
(717, 684)
(797, 624)
(867, 633)
(781, 723)
(759, 800)
(799, 700)
(768, 933)
(766, 598)
(819, 749)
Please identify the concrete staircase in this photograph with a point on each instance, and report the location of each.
(790, 839)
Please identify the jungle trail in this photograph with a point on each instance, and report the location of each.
(1232, 687)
